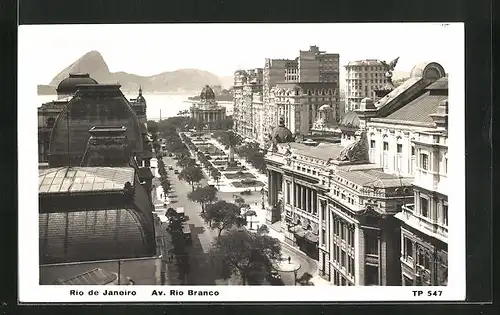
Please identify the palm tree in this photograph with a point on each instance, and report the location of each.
(231, 142)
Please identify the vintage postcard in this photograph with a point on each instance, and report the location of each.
(177, 163)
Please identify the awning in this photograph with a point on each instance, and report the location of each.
(310, 236)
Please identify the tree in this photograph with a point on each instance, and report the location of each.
(203, 195)
(305, 279)
(230, 140)
(240, 201)
(263, 229)
(185, 162)
(222, 215)
(152, 126)
(246, 254)
(215, 173)
(191, 175)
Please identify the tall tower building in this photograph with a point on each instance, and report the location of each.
(363, 78)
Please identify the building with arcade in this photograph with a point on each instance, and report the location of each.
(372, 209)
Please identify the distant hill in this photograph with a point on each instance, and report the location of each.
(182, 80)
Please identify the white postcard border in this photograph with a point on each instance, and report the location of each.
(28, 272)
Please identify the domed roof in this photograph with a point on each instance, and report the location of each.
(207, 93)
(140, 98)
(69, 85)
(350, 120)
(420, 69)
(281, 133)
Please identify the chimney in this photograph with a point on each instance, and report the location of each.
(107, 146)
(440, 118)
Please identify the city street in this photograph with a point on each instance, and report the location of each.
(200, 270)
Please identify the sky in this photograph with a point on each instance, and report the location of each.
(148, 49)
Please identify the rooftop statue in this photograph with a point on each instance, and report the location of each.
(389, 68)
(357, 151)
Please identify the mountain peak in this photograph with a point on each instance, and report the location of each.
(92, 63)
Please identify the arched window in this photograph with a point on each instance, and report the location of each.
(309, 92)
(399, 153)
(385, 151)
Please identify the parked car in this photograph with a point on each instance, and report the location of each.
(176, 172)
(170, 167)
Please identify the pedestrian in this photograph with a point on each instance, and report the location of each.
(289, 259)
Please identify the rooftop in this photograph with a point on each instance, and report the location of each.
(323, 151)
(374, 178)
(91, 235)
(79, 179)
(420, 109)
(397, 91)
(366, 62)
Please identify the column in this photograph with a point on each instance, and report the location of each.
(304, 198)
(308, 199)
(269, 187)
(295, 194)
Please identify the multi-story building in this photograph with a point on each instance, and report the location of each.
(310, 67)
(363, 77)
(424, 232)
(49, 112)
(207, 111)
(299, 103)
(340, 203)
(247, 108)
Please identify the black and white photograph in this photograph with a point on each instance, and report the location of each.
(206, 162)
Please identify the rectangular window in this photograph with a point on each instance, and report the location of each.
(323, 235)
(445, 214)
(413, 151)
(371, 275)
(343, 259)
(350, 265)
(372, 144)
(424, 207)
(399, 148)
(446, 165)
(288, 187)
(424, 161)
(371, 243)
(407, 248)
(386, 146)
(342, 232)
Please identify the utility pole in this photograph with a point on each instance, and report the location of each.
(119, 271)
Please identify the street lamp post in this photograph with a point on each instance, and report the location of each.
(263, 192)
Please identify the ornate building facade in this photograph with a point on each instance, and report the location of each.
(424, 232)
(342, 203)
(206, 110)
(248, 103)
(299, 104)
(363, 77)
(311, 67)
(95, 195)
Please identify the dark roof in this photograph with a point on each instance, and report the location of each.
(78, 179)
(441, 84)
(69, 85)
(92, 235)
(419, 109)
(207, 93)
(350, 120)
(96, 105)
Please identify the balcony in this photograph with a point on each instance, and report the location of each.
(424, 225)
